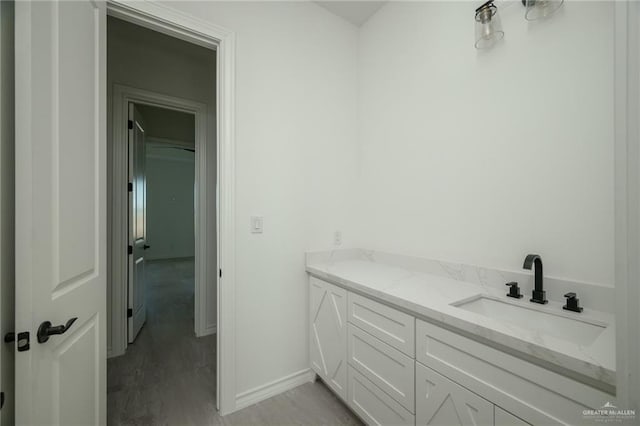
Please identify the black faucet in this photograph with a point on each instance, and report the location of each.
(538, 294)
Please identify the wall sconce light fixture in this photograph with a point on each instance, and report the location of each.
(488, 25)
(539, 9)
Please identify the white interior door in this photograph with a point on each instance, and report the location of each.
(137, 223)
(61, 192)
(7, 185)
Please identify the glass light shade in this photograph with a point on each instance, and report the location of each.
(539, 9)
(488, 26)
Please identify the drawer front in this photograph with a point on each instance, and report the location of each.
(443, 402)
(328, 333)
(387, 324)
(504, 418)
(533, 393)
(373, 405)
(391, 370)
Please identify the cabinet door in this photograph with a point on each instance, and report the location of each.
(328, 334)
(439, 401)
(504, 418)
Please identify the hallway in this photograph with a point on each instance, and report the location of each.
(168, 376)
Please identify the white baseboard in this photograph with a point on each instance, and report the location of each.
(212, 329)
(260, 393)
(111, 353)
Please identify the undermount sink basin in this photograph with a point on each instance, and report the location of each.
(576, 330)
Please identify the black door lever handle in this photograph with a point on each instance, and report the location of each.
(45, 330)
(146, 246)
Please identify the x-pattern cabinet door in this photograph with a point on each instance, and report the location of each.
(439, 401)
(328, 310)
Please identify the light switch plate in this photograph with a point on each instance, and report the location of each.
(256, 224)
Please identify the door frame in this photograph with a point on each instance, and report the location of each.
(171, 22)
(122, 97)
(627, 201)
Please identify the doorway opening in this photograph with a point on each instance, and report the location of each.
(161, 218)
(164, 345)
(163, 222)
(73, 216)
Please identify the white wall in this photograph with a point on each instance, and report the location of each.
(146, 59)
(7, 206)
(482, 157)
(295, 152)
(170, 197)
(438, 173)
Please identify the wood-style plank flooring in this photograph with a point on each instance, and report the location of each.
(168, 376)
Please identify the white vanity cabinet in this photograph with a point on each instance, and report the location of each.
(439, 401)
(373, 405)
(328, 334)
(392, 368)
(389, 325)
(535, 394)
(389, 369)
(504, 418)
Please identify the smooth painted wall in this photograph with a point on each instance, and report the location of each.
(7, 209)
(145, 59)
(295, 155)
(170, 197)
(481, 157)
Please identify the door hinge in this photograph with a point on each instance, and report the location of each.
(23, 341)
(130, 124)
(220, 272)
(129, 313)
(1, 400)
(130, 249)
(130, 187)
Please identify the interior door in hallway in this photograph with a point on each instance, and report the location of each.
(137, 223)
(61, 223)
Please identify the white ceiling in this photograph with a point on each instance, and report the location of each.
(356, 12)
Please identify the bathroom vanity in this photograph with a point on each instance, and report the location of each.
(406, 341)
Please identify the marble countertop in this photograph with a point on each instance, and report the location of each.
(432, 297)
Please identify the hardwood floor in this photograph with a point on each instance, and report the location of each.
(168, 376)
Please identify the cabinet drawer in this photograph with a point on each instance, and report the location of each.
(328, 334)
(443, 402)
(504, 418)
(391, 370)
(387, 324)
(533, 393)
(373, 405)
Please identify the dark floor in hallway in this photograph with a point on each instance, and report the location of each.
(168, 376)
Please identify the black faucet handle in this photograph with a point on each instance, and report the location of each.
(514, 290)
(573, 303)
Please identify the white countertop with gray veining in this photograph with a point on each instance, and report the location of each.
(431, 296)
